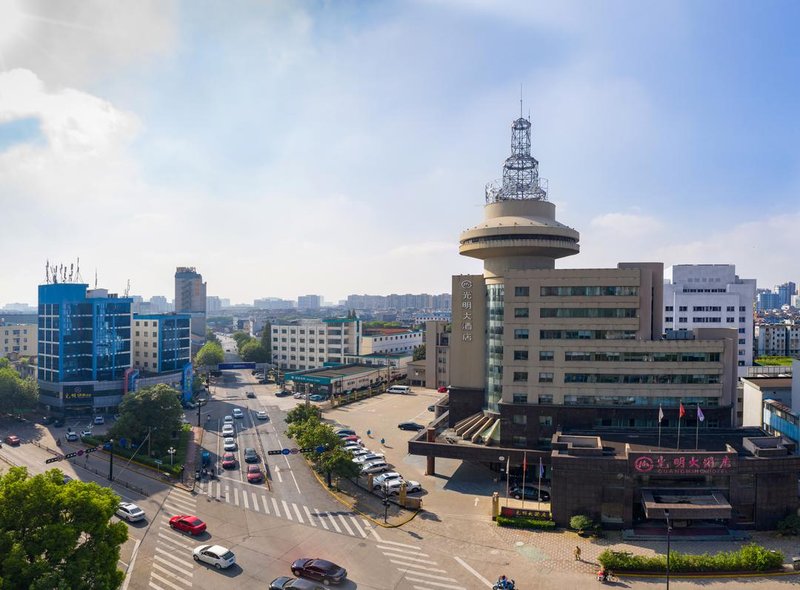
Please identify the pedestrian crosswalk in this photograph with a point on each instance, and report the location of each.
(172, 566)
(417, 568)
(254, 499)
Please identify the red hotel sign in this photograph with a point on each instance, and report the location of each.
(697, 463)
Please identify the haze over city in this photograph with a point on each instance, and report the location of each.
(285, 148)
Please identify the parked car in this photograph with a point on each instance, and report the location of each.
(262, 415)
(12, 439)
(393, 487)
(283, 393)
(379, 480)
(364, 459)
(47, 420)
(317, 397)
(228, 461)
(344, 432)
(254, 474)
(99, 420)
(187, 523)
(352, 447)
(351, 438)
(432, 408)
(130, 512)
(229, 444)
(410, 426)
(216, 555)
(86, 432)
(58, 422)
(299, 395)
(250, 455)
(227, 420)
(289, 583)
(529, 492)
(442, 390)
(228, 430)
(72, 436)
(374, 467)
(360, 453)
(319, 569)
(251, 394)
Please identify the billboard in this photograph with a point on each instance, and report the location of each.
(78, 394)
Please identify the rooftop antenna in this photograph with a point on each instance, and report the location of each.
(47, 272)
(78, 277)
(127, 288)
(95, 278)
(520, 100)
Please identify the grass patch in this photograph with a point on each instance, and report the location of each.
(180, 444)
(774, 361)
(750, 558)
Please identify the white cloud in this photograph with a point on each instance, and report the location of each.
(624, 226)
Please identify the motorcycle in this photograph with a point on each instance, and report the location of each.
(508, 585)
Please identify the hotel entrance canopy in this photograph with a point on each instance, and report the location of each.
(685, 506)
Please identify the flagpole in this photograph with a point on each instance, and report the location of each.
(697, 429)
(508, 467)
(524, 469)
(660, 418)
(539, 491)
(678, 447)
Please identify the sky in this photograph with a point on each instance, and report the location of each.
(334, 147)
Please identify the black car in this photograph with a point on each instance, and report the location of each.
(251, 394)
(282, 393)
(326, 572)
(529, 492)
(58, 422)
(47, 420)
(410, 426)
(288, 583)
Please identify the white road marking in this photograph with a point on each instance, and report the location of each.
(432, 583)
(172, 564)
(255, 502)
(264, 502)
(275, 506)
(360, 530)
(409, 558)
(172, 555)
(245, 501)
(427, 569)
(476, 501)
(472, 571)
(375, 534)
(155, 586)
(321, 520)
(344, 522)
(403, 551)
(434, 576)
(286, 508)
(297, 512)
(333, 522)
(278, 473)
(308, 514)
(129, 569)
(400, 544)
(174, 541)
(164, 580)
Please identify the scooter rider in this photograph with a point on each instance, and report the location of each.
(503, 583)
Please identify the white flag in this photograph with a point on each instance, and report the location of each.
(660, 414)
(700, 415)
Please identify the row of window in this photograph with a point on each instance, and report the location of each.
(638, 357)
(641, 379)
(587, 312)
(622, 400)
(698, 320)
(586, 334)
(729, 308)
(580, 291)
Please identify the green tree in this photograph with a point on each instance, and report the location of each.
(4, 363)
(419, 353)
(302, 413)
(210, 354)
(241, 339)
(311, 433)
(16, 393)
(211, 336)
(253, 352)
(154, 408)
(58, 536)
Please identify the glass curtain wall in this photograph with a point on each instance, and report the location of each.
(495, 295)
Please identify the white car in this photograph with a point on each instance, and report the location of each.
(228, 430)
(217, 555)
(99, 420)
(228, 419)
(369, 457)
(393, 487)
(386, 477)
(71, 436)
(375, 467)
(353, 448)
(130, 512)
(261, 415)
(237, 413)
(361, 453)
(86, 432)
(299, 395)
(229, 444)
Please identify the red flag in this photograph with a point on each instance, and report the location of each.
(681, 411)
(525, 462)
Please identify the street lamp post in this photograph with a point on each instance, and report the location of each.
(171, 452)
(669, 529)
(111, 459)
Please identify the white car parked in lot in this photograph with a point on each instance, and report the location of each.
(217, 555)
(369, 457)
(375, 467)
(228, 430)
(237, 413)
(228, 419)
(379, 480)
(229, 444)
(393, 487)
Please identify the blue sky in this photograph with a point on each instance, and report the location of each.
(292, 147)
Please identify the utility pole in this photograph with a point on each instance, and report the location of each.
(111, 460)
(669, 529)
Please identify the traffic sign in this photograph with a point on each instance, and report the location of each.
(285, 451)
(158, 461)
(80, 452)
(123, 442)
(295, 450)
(320, 449)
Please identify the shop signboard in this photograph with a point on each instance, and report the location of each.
(511, 512)
(682, 463)
(78, 394)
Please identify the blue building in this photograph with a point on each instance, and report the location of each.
(161, 342)
(84, 347)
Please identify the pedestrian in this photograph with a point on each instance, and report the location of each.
(383, 441)
(369, 433)
(577, 553)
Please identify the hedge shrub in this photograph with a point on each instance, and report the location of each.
(525, 523)
(750, 558)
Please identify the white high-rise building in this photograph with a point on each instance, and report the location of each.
(711, 296)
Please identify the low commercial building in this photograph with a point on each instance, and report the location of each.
(161, 342)
(311, 344)
(17, 340)
(778, 339)
(337, 380)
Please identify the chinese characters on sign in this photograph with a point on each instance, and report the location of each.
(683, 463)
(525, 513)
(466, 310)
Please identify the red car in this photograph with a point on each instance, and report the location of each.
(352, 438)
(229, 461)
(12, 440)
(254, 474)
(442, 390)
(186, 523)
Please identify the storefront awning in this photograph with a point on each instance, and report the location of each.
(685, 506)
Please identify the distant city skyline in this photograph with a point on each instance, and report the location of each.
(292, 147)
